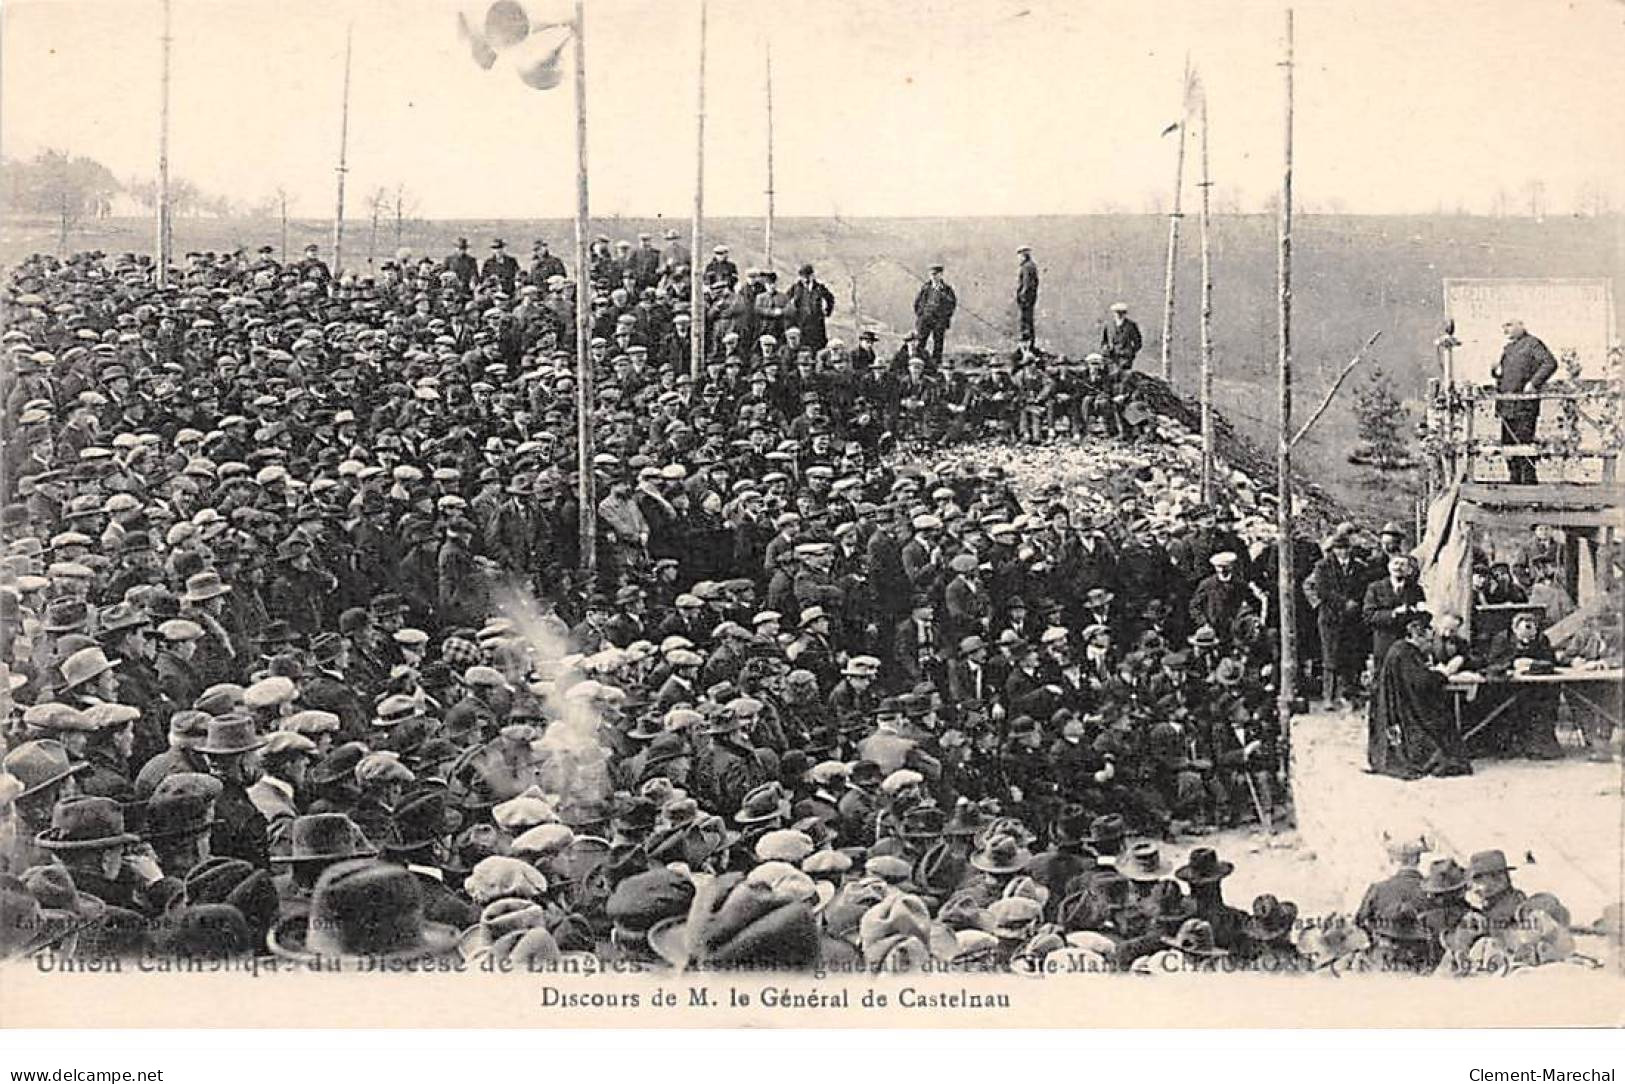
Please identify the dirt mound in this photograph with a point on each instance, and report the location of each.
(1164, 467)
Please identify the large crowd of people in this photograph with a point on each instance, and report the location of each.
(299, 660)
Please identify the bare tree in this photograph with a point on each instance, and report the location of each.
(144, 191)
(1535, 195)
(1594, 198)
(378, 201)
(282, 213)
(406, 206)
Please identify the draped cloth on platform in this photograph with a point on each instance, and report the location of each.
(1443, 558)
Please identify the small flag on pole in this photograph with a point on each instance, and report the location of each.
(1192, 95)
(520, 33)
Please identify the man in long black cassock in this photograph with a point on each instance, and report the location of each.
(1411, 728)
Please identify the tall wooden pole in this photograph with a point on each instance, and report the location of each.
(696, 284)
(586, 486)
(1207, 323)
(282, 201)
(1285, 578)
(165, 239)
(767, 240)
(1173, 234)
(343, 166)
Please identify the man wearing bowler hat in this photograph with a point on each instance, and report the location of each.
(811, 304)
(463, 265)
(239, 831)
(500, 266)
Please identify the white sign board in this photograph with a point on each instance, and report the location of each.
(1565, 314)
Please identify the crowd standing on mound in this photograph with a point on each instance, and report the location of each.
(298, 661)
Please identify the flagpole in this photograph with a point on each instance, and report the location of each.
(1173, 234)
(768, 238)
(165, 239)
(1207, 322)
(343, 167)
(1285, 579)
(696, 287)
(586, 482)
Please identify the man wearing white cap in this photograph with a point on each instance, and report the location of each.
(1220, 596)
(1120, 339)
(721, 269)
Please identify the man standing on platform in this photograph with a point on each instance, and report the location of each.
(1525, 366)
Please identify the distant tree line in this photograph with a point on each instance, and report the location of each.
(72, 188)
(67, 188)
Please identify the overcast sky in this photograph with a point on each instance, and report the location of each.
(883, 107)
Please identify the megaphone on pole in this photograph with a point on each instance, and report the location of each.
(545, 73)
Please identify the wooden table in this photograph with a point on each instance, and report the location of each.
(1571, 681)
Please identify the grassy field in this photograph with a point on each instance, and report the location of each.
(1353, 275)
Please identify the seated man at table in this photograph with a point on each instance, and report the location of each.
(1448, 648)
(1595, 646)
(1527, 726)
(1411, 729)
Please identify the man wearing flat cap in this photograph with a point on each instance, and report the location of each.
(969, 609)
(934, 309)
(1120, 339)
